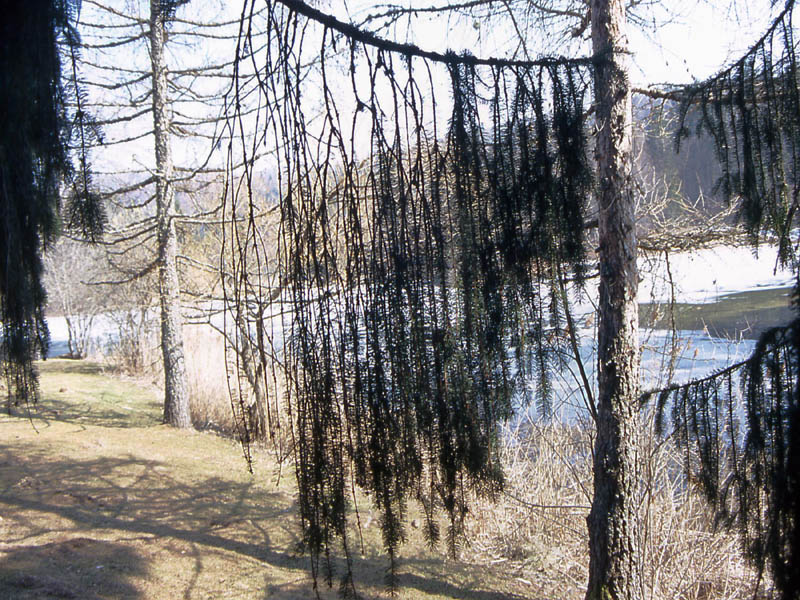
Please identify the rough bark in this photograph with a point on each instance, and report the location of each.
(613, 565)
(256, 413)
(176, 397)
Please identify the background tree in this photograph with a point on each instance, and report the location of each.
(157, 85)
(70, 270)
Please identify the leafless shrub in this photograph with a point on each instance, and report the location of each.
(70, 269)
(132, 345)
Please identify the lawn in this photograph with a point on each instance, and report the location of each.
(98, 499)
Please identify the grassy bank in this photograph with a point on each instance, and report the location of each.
(99, 500)
(732, 316)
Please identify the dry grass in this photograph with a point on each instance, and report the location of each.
(537, 528)
(99, 500)
(209, 398)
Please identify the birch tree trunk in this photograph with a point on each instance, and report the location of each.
(613, 563)
(176, 398)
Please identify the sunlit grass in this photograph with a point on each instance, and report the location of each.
(98, 499)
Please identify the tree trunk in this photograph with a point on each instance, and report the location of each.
(257, 407)
(176, 398)
(613, 563)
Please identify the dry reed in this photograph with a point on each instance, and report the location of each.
(209, 400)
(537, 526)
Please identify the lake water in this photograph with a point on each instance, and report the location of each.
(726, 297)
(733, 316)
(708, 337)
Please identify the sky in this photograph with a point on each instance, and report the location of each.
(683, 40)
(694, 44)
(690, 40)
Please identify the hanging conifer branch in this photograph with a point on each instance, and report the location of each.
(353, 33)
(740, 428)
(85, 211)
(740, 432)
(752, 112)
(416, 248)
(37, 141)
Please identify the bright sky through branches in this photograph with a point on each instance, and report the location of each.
(673, 41)
(698, 40)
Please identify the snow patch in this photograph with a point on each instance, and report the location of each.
(702, 276)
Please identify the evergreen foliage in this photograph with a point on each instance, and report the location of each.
(36, 134)
(740, 430)
(422, 272)
(411, 273)
(752, 112)
(166, 8)
(746, 457)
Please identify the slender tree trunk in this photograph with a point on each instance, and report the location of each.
(176, 397)
(257, 411)
(613, 563)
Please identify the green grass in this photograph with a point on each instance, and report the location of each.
(733, 316)
(78, 392)
(98, 499)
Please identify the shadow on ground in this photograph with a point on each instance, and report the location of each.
(75, 568)
(75, 392)
(129, 527)
(68, 365)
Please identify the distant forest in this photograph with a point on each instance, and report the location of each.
(691, 173)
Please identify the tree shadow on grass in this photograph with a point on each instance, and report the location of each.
(135, 505)
(112, 413)
(81, 568)
(69, 365)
